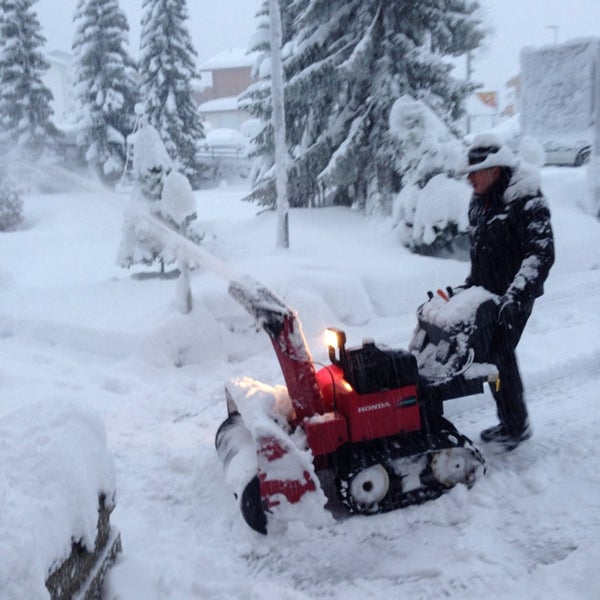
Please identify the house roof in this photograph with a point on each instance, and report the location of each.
(219, 104)
(229, 59)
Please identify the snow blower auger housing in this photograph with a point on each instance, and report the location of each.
(363, 435)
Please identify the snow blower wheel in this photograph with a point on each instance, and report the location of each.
(454, 465)
(364, 489)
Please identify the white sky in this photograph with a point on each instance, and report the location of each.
(217, 25)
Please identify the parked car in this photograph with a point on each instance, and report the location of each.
(559, 150)
(573, 154)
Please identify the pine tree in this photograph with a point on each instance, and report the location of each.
(25, 109)
(350, 60)
(167, 68)
(106, 85)
(256, 100)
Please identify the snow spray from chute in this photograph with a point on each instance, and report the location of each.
(185, 250)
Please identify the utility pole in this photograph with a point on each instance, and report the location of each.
(593, 167)
(469, 73)
(277, 95)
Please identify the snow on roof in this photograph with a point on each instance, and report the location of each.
(591, 43)
(229, 59)
(219, 104)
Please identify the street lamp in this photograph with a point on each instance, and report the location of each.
(555, 28)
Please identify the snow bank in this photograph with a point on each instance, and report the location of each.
(53, 467)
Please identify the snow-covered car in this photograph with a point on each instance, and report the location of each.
(571, 154)
(557, 151)
(559, 148)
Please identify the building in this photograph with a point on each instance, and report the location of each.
(482, 111)
(59, 79)
(223, 78)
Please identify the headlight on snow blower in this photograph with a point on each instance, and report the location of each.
(335, 340)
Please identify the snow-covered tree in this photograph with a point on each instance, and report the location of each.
(167, 69)
(159, 191)
(347, 62)
(430, 211)
(106, 85)
(25, 111)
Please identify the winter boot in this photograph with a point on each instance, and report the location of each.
(491, 434)
(499, 435)
(512, 441)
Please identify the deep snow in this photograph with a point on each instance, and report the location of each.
(77, 329)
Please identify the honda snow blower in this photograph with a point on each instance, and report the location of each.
(365, 434)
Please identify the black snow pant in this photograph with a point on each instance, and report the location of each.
(510, 397)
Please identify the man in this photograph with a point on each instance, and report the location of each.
(512, 250)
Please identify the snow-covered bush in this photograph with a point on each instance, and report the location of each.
(151, 162)
(161, 192)
(11, 208)
(430, 211)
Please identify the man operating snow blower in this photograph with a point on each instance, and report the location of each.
(512, 250)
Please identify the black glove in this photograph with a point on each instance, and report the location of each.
(508, 318)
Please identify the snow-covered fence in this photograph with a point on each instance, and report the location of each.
(217, 151)
(225, 159)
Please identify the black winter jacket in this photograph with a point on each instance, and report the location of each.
(512, 245)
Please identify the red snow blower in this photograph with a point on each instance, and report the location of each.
(365, 434)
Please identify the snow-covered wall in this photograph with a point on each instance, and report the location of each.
(559, 88)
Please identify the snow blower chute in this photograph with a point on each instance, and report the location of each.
(365, 434)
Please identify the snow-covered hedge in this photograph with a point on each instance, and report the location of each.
(54, 465)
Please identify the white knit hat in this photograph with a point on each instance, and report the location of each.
(488, 150)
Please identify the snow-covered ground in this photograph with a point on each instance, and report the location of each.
(76, 330)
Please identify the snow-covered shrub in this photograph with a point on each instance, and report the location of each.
(151, 163)
(11, 209)
(433, 220)
(161, 192)
(430, 211)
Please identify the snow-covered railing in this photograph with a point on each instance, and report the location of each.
(215, 151)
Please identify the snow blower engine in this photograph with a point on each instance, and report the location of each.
(365, 434)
